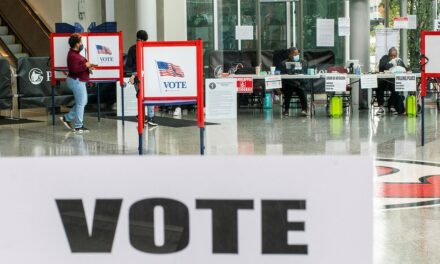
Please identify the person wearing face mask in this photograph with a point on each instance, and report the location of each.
(395, 102)
(294, 65)
(79, 74)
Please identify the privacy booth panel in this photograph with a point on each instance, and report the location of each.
(5, 85)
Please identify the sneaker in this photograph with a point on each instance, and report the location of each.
(381, 111)
(151, 122)
(303, 113)
(81, 130)
(285, 113)
(66, 123)
(177, 111)
(393, 111)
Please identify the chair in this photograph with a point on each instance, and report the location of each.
(346, 96)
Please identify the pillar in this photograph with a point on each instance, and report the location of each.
(360, 44)
(404, 33)
(146, 17)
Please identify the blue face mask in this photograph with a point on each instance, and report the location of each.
(81, 47)
(296, 58)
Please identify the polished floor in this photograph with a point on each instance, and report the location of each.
(407, 215)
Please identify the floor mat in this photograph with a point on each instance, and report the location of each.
(7, 121)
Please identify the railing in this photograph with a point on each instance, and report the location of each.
(27, 26)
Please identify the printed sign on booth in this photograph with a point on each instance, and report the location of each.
(245, 85)
(170, 72)
(335, 83)
(405, 82)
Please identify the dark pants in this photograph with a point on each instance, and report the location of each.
(290, 87)
(386, 85)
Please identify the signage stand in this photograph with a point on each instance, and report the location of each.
(430, 65)
(108, 55)
(157, 68)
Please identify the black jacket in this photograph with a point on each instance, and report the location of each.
(385, 65)
(284, 69)
(131, 59)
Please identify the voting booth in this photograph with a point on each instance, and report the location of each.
(102, 49)
(170, 73)
(430, 64)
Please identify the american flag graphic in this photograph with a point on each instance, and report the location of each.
(169, 69)
(103, 50)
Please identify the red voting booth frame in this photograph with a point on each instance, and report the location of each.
(424, 61)
(142, 99)
(54, 68)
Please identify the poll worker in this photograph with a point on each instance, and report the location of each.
(395, 102)
(79, 74)
(294, 65)
(141, 35)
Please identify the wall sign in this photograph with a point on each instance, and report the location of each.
(187, 210)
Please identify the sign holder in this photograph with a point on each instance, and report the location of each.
(145, 100)
(115, 73)
(430, 65)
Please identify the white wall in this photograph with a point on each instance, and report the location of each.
(125, 15)
(92, 9)
(48, 10)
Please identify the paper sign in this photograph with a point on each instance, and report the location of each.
(386, 38)
(405, 82)
(325, 32)
(335, 83)
(412, 21)
(401, 22)
(187, 210)
(221, 99)
(344, 26)
(245, 85)
(368, 81)
(244, 32)
(436, 24)
(273, 82)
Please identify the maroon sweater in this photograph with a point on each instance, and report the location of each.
(77, 66)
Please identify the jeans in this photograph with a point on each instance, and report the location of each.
(150, 108)
(386, 85)
(80, 94)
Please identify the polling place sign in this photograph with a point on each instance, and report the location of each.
(199, 210)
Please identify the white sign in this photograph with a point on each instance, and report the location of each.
(244, 32)
(170, 72)
(412, 21)
(344, 26)
(335, 83)
(386, 38)
(405, 82)
(130, 99)
(401, 22)
(221, 98)
(187, 210)
(325, 32)
(436, 24)
(273, 82)
(432, 44)
(104, 50)
(368, 81)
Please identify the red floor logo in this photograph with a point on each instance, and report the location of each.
(409, 183)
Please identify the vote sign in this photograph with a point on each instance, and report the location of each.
(170, 71)
(199, 210)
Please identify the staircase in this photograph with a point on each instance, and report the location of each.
(10, 41)
(22, 32)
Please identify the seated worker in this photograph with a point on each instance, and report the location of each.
(294, 65)
(395, 103)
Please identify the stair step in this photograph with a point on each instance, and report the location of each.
(3, 30)
(15, 48)
(21, 55)
(8, 39)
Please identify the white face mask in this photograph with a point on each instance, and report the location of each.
(296, 58)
